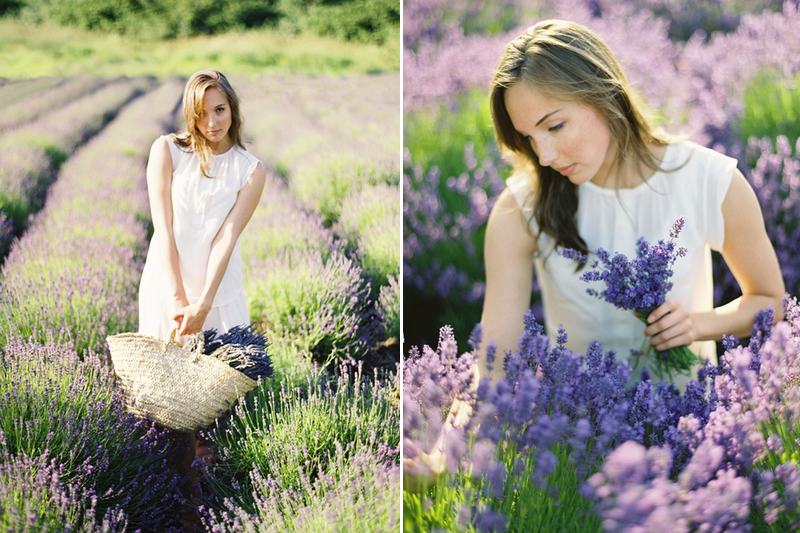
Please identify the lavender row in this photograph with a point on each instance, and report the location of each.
(14, 90)
(353, 117)
(75, 272)
(31, 155)
(33, 105)
(311, 301)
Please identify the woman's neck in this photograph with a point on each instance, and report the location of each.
(630, 173)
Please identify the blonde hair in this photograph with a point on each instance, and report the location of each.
(193, 95)
(568, 61)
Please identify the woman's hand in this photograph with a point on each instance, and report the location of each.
(670, 326)
(191, 318)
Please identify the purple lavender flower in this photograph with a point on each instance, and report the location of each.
(641, 285)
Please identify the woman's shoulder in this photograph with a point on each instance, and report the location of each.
(519, 189)
(698, 157)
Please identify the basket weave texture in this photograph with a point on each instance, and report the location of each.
(179, 388)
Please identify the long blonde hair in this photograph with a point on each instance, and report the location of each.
(193, 94)
(569, 61)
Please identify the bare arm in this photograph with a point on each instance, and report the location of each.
(508, 256)
(225, 239)
(159, 190)
(750, 256)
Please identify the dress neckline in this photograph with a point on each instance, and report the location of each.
(226, 152)
(645, 185)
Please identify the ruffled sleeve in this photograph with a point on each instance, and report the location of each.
(718, 174)
(520, 186)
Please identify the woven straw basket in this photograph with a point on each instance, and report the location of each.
(179, 388)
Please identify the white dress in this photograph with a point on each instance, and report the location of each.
(614, 220)
(199, 206)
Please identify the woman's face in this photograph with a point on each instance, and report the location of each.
(215, 120)
(570, 137)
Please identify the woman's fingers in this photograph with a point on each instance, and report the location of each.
(663, 309)
(674, 336)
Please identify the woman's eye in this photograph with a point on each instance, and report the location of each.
(556, 127)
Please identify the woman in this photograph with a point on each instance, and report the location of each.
(591, 173)
(203, 188)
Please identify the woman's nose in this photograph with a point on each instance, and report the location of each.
(547, 154)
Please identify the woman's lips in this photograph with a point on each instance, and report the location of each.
(567, 170)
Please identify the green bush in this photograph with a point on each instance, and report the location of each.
(159, 18)
(354, 20)
(358, 20)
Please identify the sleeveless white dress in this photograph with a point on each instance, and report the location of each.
(614, 220)
(199, 206)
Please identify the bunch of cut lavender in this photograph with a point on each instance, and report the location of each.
(641, 285)
(240, 347)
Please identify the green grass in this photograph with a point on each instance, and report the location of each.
(527, 506)
(771, 108)
(29, 51)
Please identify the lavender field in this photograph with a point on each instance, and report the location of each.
(316, 447)
(560, 444)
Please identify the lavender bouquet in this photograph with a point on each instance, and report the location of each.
(641, 285)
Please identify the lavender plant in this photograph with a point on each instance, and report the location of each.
(370, 221)
(773, 169)
(741, 467)
(36, 103)
(358, 492)
(51, 401)
(292, 436)
(312, 308)
(34, 497)
(389, 307)
(280, 225)
(641, 285)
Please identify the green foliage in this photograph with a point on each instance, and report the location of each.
(154, 18)
(50, 50)
(771, 108)
(355, 20)
(436, 136)
(295, 432)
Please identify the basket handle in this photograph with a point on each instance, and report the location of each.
(171, 339)
(200, 346)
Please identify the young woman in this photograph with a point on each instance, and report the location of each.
(203, 187)
(591, 173)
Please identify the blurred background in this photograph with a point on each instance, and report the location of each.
(723, 72)
(85, 88)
